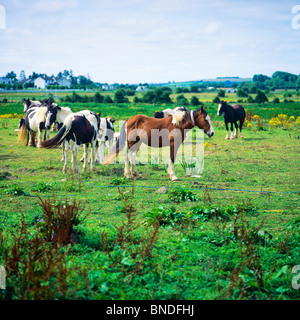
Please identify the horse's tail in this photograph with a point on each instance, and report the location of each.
(22, 136)
(118, 147)
(58, 138)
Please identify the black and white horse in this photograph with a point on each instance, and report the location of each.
(34, 122)
(168, 112)
(78, 128)
(232, 114)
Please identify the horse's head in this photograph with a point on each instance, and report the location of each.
(51, 114)
(26, 104)
(221, 107)
(202, 121)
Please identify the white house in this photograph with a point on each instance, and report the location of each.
(6, 80)
(141, 88)
(43, 82)
(63, 81)
(108, 87)
(230, 90)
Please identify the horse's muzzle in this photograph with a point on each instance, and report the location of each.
(210, 134)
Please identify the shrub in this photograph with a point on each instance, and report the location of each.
(182, 194)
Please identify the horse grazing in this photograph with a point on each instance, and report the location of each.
(27, 103)
(168, 112)
(232, 114)
(157, 133)
(33, 122)
(81, 128)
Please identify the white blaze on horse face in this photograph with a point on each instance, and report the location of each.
(211, 129)
(219, 107)
(47, 122)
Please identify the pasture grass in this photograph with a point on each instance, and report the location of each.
(191, 259)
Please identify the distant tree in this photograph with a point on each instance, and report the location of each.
(149, 96)
(241, 93)
(221, 93)
(119, 96)
(195, 101)
(260, 78)
(260, 97)
(250, 99)
(107, 99)
(216, 99)
(182, 100)
(11, 75)
(136, 99)
(98, 98)
(130, 92)
(194, 89)
(276, 100)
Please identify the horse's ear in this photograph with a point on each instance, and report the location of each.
(112, 121)
(202, 109)
(99, 114)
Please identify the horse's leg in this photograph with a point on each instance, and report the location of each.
(236, 129)
(39, 138)
(65, 155)
(231, 129)
(127, 173)
(92, 156)
(97, 160)
(46, 135)
(132, 152)
(227, 132)
(74, 157)
(241, 126)
(173, 151)
(85, 156)
(63, 151)
(102, 150)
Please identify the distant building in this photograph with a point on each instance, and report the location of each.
(230, 90)
(63, 81)
(43, 82)
(141, 88)
(4, 80)
(108, 87)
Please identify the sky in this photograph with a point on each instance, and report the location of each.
(150, 41)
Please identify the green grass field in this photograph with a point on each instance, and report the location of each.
(233, 233)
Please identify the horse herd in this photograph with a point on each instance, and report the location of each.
(166, 128)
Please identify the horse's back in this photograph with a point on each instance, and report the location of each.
(239, 109)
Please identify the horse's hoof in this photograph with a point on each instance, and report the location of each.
(226, 138)
(128, 175)
(175, 179)
(241, 136)
(232, 138)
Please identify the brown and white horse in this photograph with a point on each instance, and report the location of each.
(157, 133)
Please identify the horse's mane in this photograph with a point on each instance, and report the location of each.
(179, 117)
